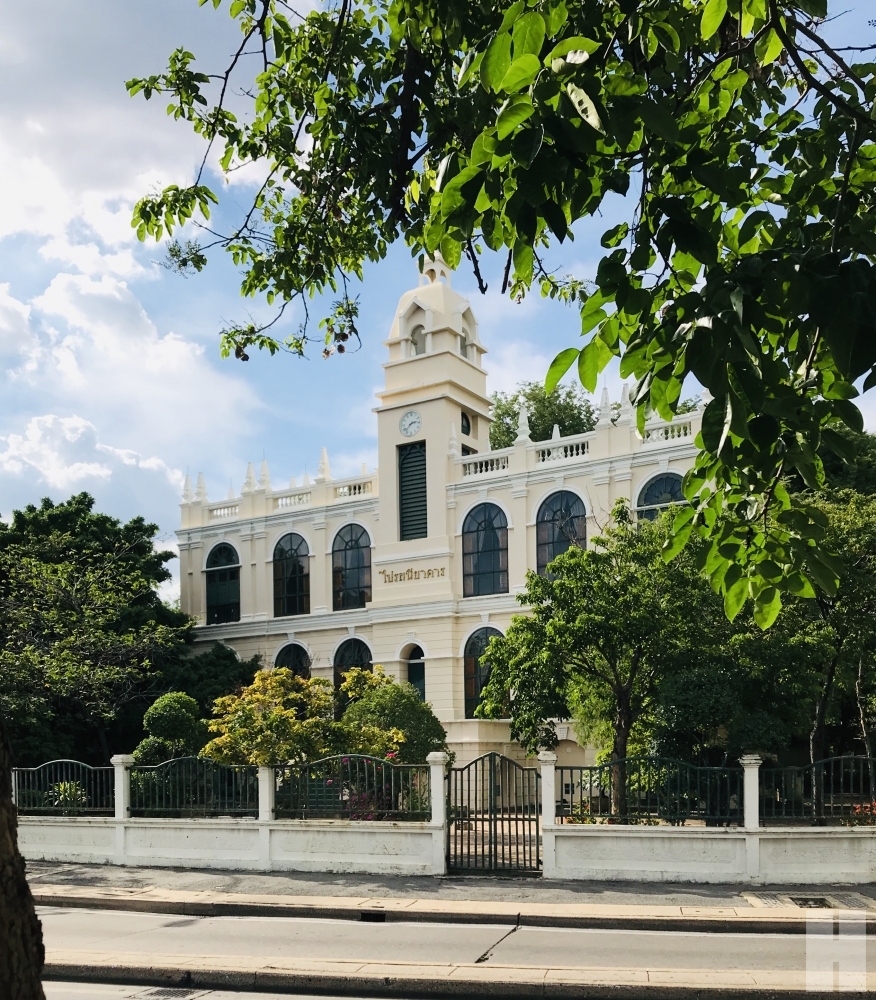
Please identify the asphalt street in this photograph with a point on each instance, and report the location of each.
(102, 991)
(132, 933)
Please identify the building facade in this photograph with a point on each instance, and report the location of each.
(416, 565)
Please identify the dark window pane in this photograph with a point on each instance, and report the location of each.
(412, 491)
(485, 552)
(223, 596)
(291, 577)
(295, 658)
(351, 653)
(659, 493)
(466, 424)
(222, 555)
(351, 568)
(475, 673)
(417, 671)
(561, 523)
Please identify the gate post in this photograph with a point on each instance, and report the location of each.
(548, 761)
(437, 761)
(122, 788)
(751, 790)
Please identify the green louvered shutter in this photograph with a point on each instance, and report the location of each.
(412, 491)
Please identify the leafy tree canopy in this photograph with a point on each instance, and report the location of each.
(281, 717)
(743, 141)
(398, 706)
(175, 729)
(209, 675)
(567, 406)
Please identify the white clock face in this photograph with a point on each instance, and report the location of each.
(410, 423)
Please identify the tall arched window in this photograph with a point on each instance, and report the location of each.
(351, 568)
(660, 493)
(418, 340)
(351, 653)
(417, 671)
(294, 656)
(485, 551)
(476, 674)
(291, 577)
(561, 523)
(223, 585)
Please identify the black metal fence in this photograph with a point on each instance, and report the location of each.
(194, 787)
(649, 790)
(353, 787)
(840, 790)
(64, 788)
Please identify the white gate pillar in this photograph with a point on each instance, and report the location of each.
(121, 762)
(437, 762)
(267, 800)
(751, 790)
(548, 761)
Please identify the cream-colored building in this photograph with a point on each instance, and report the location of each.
(416, 566)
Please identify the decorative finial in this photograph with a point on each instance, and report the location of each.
(230, 490)
(249, 484)
(453, 445)
(187, 490)
(292, 483)
(201, 489)
(556, 434)
(264, 476)
(523, 432)
(323, 473)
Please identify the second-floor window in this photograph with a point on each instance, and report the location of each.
(291, 577)
(485, 551)
(223, 585)
(351, 568)
(660, 493)
(561, 523)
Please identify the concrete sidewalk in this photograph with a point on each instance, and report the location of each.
(527, 902)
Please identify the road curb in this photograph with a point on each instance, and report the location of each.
(758, 923)
(336, 984)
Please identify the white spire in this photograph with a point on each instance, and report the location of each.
(364, 469)
(292, 483)
(305, 479)
(453, 446)
(604, 407)
(523, 431)
(230, 490)
(556, 434)
(187, 490)
(201, 491)
(264, 476)
(323, 473)
(249, 484)
(434, 269)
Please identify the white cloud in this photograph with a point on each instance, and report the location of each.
(58, 448)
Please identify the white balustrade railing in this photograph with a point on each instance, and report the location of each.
(554, 452)
(353, 490)
(667, 432)
(480, 466)
(295, 500)
(229, 510)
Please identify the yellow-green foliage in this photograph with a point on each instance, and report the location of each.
(281, 717)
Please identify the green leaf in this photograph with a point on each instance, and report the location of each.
(515, 114)
(768, 48)
(594, 357)
(713, 15)
(528, 34)
(585, 107)
(511, 15)
(497, 59)
(767, 606)
(559, 366)
(735, 597)
(676, 542)
(459, 191)
(659, 120)
(573, 44)
(520, 73)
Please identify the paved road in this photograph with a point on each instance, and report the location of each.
(100, 991)
(280, 937)
(485, 888)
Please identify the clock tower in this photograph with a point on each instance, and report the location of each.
(433, 410)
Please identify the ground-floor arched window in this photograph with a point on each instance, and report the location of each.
(295, 657)
(476, 673)
(351, 653)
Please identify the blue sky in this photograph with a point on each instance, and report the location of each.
(110, 370)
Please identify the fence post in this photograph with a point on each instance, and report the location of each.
(548, 761)
(437, 762)
(751, 789)
(267, 801)
(122, 763)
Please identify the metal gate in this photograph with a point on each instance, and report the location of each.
(494, 816)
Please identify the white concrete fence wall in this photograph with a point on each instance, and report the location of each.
(749, 854)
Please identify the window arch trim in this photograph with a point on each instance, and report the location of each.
(485, 561)
(551, 540)
(643, 509)
(297, 645)
(215, 548)
(474, 676)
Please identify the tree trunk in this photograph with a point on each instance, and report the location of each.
(21, 938)
(861, 699)
(816, 743)
(623, 723)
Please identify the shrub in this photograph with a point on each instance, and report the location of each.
(398, 706)
(174, 729)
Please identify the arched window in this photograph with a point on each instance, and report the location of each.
(294, 656)
(291, 577)
(417, 671)
(418, 340)
(464, 348)
(465, 424)
(561, 523)
(476, 674)
(223, 585)
(485, 551)
(660, 493)
(351, 653)
(351, 568)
